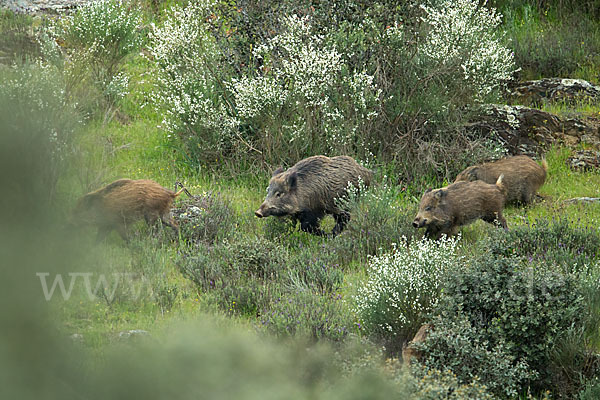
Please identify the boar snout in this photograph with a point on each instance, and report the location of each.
(258, 213)
(419, 223)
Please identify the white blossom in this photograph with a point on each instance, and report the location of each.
(406, 283)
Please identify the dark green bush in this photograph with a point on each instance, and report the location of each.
(315, 268)
(305, 313)
(376, 222)
(206, 218)
(457, 345)
(568, 245)
(524, 310)
(242, 275)
(245, 275)
(554, 45)
(433, 384)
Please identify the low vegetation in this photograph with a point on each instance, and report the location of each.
(216, 95)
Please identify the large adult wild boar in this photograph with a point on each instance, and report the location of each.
(443, 211)
(124, 202)
(308, 191)
(522, 176)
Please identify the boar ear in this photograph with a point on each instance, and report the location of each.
(440, 194)
(473, 174)
(87, 200)
(277, 171)
(292, 180)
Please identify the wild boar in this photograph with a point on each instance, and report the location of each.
(123, 203)
(443, 211)
(522, 176)
(409, 351)
(308, 191)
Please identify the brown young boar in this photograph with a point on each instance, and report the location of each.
(308, 190)
(409, 352)
(443, 211)
(123, 203)
(522, 176)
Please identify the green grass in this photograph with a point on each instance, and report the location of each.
(549, 44)
(139, 150)
(132, 145)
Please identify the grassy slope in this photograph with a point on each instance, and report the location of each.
(142, 153)
(138, 149)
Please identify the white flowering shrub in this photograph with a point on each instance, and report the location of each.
(97, 38)
(35, 108)
(463, 39)
(189, 89)
(403, 286)
(325, 106)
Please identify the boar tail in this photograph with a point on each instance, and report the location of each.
(500, 184)
(544, 165)
(183, 189)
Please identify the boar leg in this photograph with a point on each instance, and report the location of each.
(527, 197)
(309, 222)
(103, 231)
(502, 221)
(168, 221)
(122, 229)
(496, 219)
(150, 219)
(340, 222)
(433, 232)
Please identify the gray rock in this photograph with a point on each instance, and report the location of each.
(583, 200)
(524, 130)
(555, 89)
(133, 334)
(76, 337)
(42, 6)
(587, 160)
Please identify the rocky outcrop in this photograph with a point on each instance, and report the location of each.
(42, 6)
(555, 89)
(586, 160)
(524, 130)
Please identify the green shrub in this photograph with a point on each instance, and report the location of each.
(433, 384)
(376, 223)
(562, 47)
(304, 313)
(34, 105)
(241, 275)
(403, 287)
(324, 106)
(278, 81)
(314, 268)
(591, 391)
(246, 274)
(205, 219)
(189, 82)
(97, 38)
(525, 310)
(571, 247)
(455, 344)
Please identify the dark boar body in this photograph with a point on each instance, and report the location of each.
(522, 176)
(123, 203)
(443, 211)
(308, 191)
